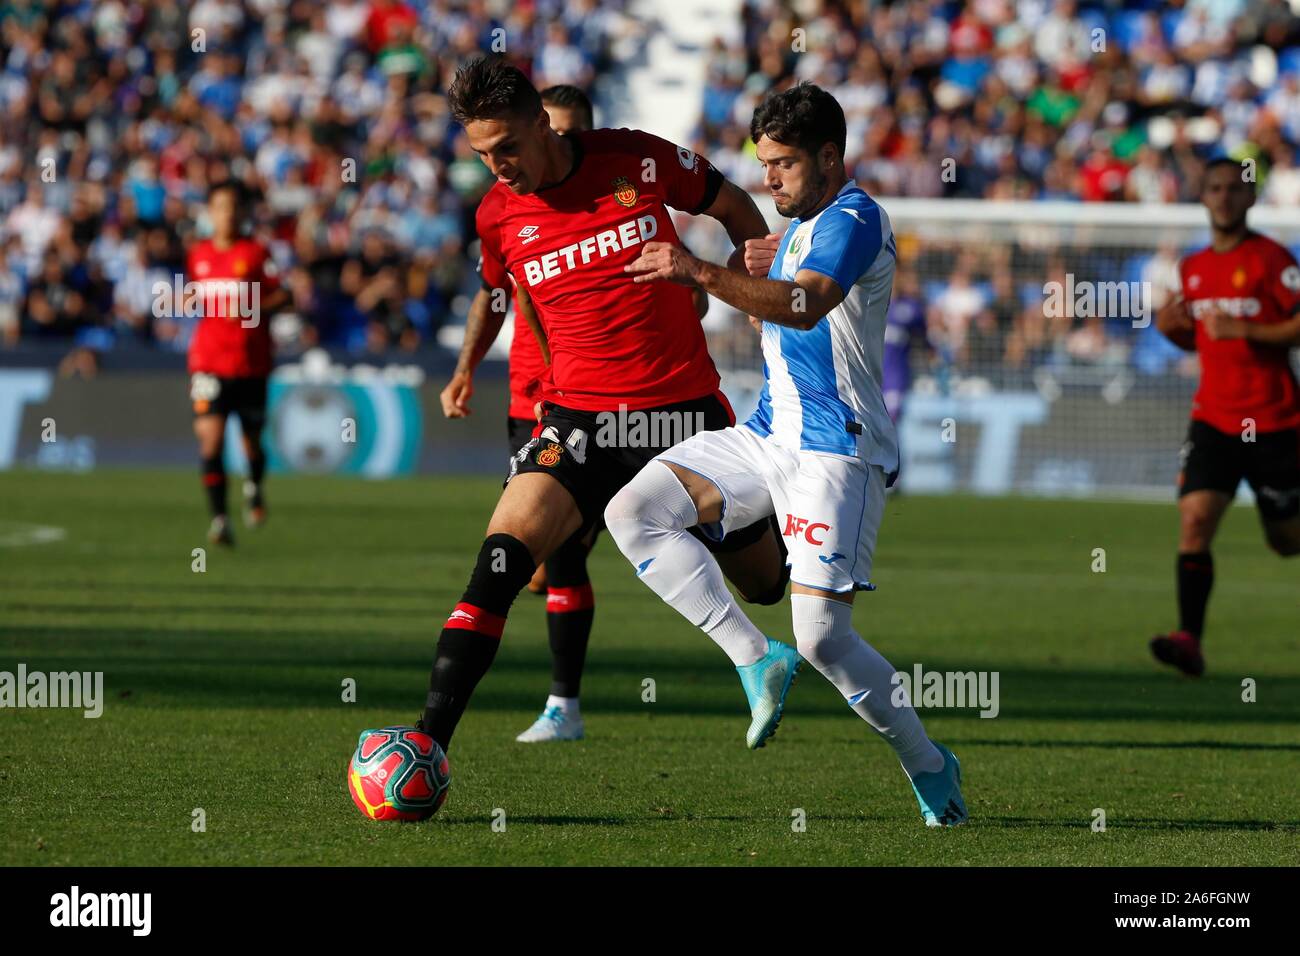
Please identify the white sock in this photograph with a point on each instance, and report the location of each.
(648, 520)
(568, 706)
(824, 632)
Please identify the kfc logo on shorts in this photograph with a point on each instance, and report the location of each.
(800, 526)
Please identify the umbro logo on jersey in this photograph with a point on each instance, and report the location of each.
(528, 234)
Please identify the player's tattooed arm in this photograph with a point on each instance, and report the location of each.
(800, 304)
(701, 300)
(1174, 323)
(481, 328)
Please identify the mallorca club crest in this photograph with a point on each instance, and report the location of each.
(625, 193)
(550, 455)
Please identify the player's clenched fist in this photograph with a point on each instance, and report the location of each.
(663, 260)
(455, 397)
(761, 253)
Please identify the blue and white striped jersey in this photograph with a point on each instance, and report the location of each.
(822, 391)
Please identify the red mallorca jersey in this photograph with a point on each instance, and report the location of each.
(234, 281)
(613, 342)
(527, 367)
(1258, 281)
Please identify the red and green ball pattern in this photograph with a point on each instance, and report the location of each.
(398, 773)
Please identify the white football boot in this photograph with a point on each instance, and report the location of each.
(553, 724)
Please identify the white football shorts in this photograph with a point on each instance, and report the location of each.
(829, 507)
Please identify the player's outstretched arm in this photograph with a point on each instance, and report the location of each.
(1173, 322)
(481, 328)
(800, 304)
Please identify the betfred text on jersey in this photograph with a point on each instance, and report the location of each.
(627, 234)
(221, 298)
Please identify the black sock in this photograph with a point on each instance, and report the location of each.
(570, 608)
(1195, 578)
(472, 634)
(214, 481)
(256, 469)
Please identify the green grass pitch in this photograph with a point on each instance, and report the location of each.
(224, 692)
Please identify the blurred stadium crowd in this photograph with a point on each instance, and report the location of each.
(1030, 99)
(115, 116)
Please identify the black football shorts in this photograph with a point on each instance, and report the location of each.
(519, 432)
(594, 454)
(1217, 461)
(245, 397)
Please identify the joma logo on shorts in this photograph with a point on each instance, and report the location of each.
(800, 526)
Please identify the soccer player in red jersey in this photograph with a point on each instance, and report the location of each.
(576, 211)
(570, 604)
(230, 354)
(1240, 310)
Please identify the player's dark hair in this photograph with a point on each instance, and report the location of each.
(490, 88)
(805, 116)
(572, 98)
(234, 187)
(1224, 161)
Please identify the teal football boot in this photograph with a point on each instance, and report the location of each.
(939, 793)
(766, 682)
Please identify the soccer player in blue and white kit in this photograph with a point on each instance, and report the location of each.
(818, 452)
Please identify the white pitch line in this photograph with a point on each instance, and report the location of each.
(17, 534)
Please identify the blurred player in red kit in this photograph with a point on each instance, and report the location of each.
(230, 354)
(1240, 310)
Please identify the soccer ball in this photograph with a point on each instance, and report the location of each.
(398, 773)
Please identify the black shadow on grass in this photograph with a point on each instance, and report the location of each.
(278, 669)
(415, 615)
(550, 821)
(263, 592)
(1135, 823)
(1126, 744)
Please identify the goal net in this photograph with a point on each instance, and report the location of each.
(1035, 366)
